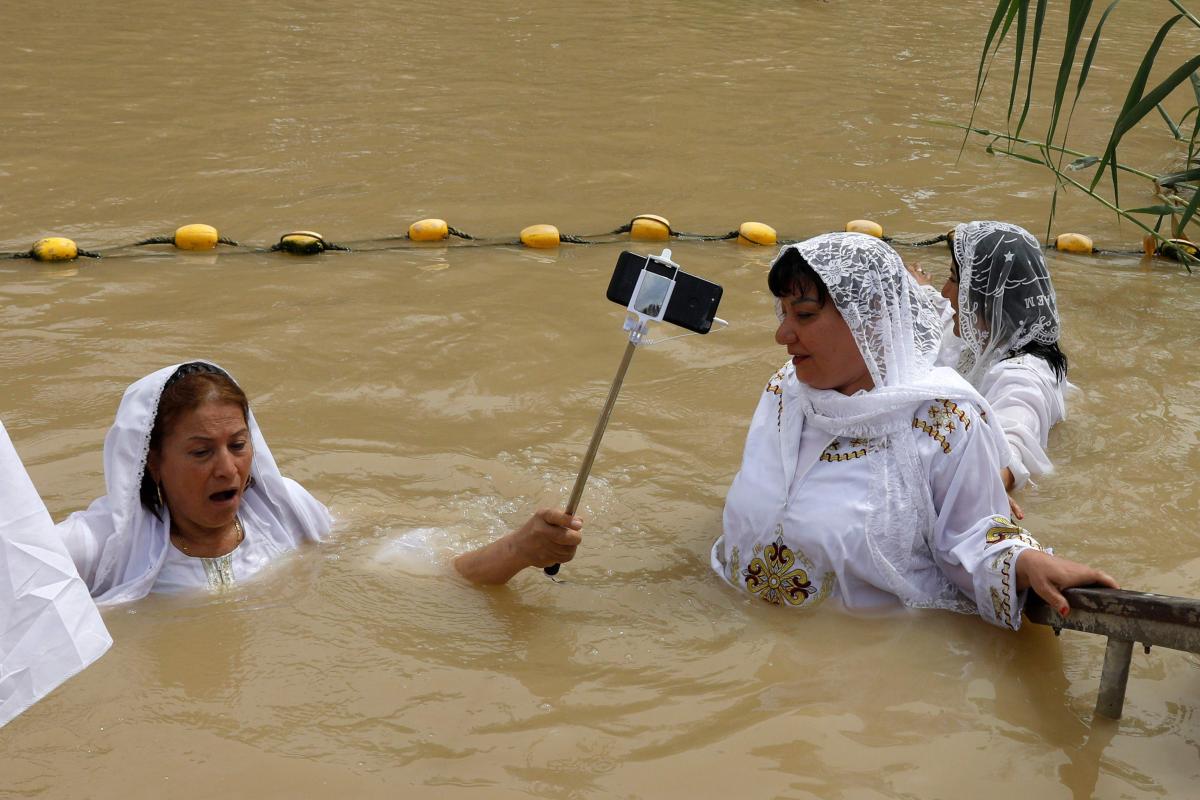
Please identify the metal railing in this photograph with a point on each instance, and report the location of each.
(1125, 618)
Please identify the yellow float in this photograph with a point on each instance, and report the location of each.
(428, 230)
(196, 237)
(54, 248)
(1073, 243)
(869, 227)
(540, 236)
(301, 243)
(649, 228)
(756, 233)
(1180, 250)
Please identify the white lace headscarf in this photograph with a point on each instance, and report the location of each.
(1005, 297)
(119, 546)
(897, 329)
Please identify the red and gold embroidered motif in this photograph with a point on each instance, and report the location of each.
(774, 576)
(1006, 530)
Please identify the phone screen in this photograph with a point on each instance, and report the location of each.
(693, 303)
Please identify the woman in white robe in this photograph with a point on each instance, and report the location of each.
(1007, 328)
(223, 512)
(869, 475)
(127, 544)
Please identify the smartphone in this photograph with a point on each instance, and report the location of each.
(692, 304)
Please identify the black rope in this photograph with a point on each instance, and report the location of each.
(228, 241)
(1096, 251)
(942, 237)
(156, 240)
(703, 237)
(562, 237)
(456, 232)
(78, 254)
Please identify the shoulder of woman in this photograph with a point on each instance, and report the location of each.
(1023, 370)
(945, 423)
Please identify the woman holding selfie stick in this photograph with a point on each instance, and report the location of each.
(869, 475)
(196, 501)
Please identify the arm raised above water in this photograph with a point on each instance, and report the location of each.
(550, 536)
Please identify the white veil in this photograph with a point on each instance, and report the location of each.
(897, 329)
(119, 546)
(1005, 297)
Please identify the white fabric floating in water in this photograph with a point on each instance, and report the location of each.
(49, 626)
(420, 551)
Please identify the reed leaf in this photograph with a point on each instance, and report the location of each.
(1076, 18)
(1158, 211)
(1179, 177)
(1035, 143)
(1178, 134)
(1016, 16)
(1188, 213)
(1185, 13)
(1195, 79)
(1086, 67)
(1018, 58)
(1038, 18)
(1132, 99)
(1067, 179)
(998, 29)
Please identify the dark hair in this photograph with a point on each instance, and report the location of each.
(188, 388)
(791, 274)
(1052, 354)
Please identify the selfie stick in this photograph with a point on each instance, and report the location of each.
(635, 337)
(637, 322)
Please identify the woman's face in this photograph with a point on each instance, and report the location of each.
(950, 292)
(202, 465)
(821, 344)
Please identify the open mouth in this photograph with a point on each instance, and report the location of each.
(223, 497)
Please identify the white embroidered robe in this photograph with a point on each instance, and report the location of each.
(794, 522)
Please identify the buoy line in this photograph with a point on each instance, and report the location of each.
(643, 228)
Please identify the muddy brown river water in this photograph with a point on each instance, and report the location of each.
(433, 395)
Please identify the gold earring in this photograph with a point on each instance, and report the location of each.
(158, 491)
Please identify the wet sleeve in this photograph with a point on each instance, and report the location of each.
(975, 543)
(1026, 405)
(81, 542)
(313, 518)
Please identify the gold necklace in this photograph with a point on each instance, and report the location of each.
(181, 543)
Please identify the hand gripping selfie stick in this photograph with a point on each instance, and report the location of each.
(649, 300)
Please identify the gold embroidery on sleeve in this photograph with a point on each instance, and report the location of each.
(933, 432)
(1000, 603)
(1005, 530)
(944, 418)
(773, 388)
